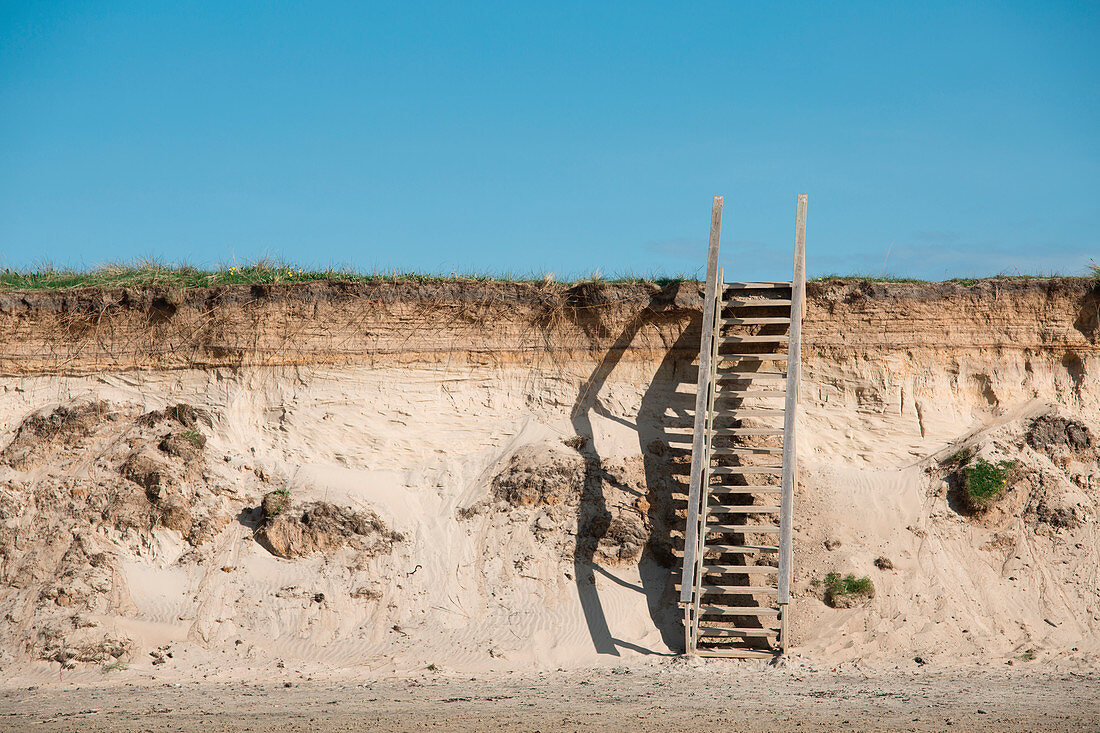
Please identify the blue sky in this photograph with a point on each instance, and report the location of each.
(933, 139)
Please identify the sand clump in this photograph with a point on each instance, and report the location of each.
(90, 483)
(50, 431)
(1052, 434)
(92, 487)
(320, 527)
(542, 474)
(1049, 468)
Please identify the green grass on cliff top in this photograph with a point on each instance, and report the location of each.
(264, 272)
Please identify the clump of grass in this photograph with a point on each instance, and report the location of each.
(194, 437)
(150, 273)
(870, 278)
(576, 442)
(959, 457)
(275, 503)
(984, 482)
(964, 281)
(845, 591)
(116, 666)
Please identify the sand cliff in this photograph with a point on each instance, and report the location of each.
(482, 475)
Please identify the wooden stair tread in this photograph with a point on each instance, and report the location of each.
(740, 569)
(735, 376)
(714, 631)
(743, 412)
(737, 653)
(734, 590)
(726, 549)
(755, 321)
(723, 358)
(761, 285)
(738, 611)
(743, 528)
(745, 449)
(756, 302)
(743, 470)
(779, 338)
(742, 394)
(719, 432)
(723, 490)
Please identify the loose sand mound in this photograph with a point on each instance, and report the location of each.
(508, 501)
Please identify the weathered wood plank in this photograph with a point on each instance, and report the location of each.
(697, 450)
(794, 368)
(756, 285)
(754, 303)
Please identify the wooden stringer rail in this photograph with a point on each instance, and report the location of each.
(735, 588)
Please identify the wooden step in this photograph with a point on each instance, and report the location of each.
(744, 450)
(726, 549)
(723, 358)
(731, 529)
(719, 432)
(756, 302)
(738, 611)
(756, 285)
(673, 417)
(743, 470)
(755, 321)
(745, 509)
(777, 339)
(727, 490)
(743, 528)
(737, 590)
(718, 491)
(733, 590)
(732, 376)
(674, 431)
(678, 427)
(739, 569)
(742, 394)
(713, 632)
(743, 412)
(736, 653)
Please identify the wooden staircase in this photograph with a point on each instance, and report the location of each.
(735, 587)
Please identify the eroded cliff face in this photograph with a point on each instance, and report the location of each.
(82, 331)
(486, 474)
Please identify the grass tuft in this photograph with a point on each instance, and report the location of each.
(984, 482)
(150, 273)
(869, 278)
(196, 438)
(847, 590)
(1093, 271)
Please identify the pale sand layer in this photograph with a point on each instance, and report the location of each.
(484, 595)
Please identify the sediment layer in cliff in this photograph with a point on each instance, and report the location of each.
(90, 330)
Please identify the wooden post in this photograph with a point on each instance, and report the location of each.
(691, 534)
(794, 368)
(704, 491)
